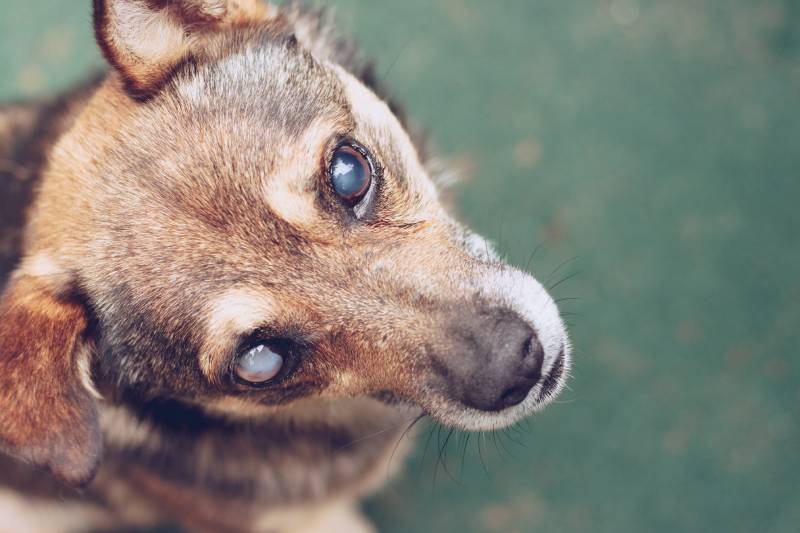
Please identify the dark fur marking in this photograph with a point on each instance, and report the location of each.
(187, 428)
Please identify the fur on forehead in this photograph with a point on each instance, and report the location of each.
(267, 107)
(278, 86)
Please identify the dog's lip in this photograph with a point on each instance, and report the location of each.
(551, 382)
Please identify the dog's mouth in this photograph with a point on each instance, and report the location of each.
(453, 413)
(554, 378)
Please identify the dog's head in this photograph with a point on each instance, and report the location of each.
(237, 220)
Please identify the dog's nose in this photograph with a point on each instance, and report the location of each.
(493, 361)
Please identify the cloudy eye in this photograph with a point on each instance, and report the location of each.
(350, 173)
(259, 364)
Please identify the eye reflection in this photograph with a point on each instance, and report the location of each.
(259, 364)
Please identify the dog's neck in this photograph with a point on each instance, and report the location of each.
(299, 453)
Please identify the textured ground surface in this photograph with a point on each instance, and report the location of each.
(656, 146)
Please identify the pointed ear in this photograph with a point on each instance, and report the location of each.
(48, 416)
(145, 40)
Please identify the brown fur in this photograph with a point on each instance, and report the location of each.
(65, 437)
(183, 206)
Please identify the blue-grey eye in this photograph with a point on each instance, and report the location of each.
(350, 174)
(259, 364)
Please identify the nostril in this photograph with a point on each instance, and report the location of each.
(526, 346)
(533, 358)
(533, 348)
(514, 396)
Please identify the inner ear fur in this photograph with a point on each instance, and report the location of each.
(145, 40)
(48, 416)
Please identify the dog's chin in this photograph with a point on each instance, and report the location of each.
(456, 415)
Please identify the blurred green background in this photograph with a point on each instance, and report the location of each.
(650, 148)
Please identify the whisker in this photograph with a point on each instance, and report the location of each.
(438, 457)
(560, 266)
(496, 446)
(394, 62)
(371, 435)
(427, 443)
(500, 237)
(530, 257)
(463, 456)
(513, 437)
(444, 456)
(562, 280)
(500, 436)
(397, 444)
(480, 454)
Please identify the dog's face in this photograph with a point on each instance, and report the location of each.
(243, 223)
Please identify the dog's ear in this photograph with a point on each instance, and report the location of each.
(146, 39)
(48, 415)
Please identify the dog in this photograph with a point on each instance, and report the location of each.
(229, 284)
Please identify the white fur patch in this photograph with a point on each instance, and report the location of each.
(286, 195)
(289, 193)
(43, 266)
(512, 288)
(479, 247)
(334, 516)
(239, 310)
(123, 430)
(22, 513)
(193, 88)
(234, 313)
(84, 359)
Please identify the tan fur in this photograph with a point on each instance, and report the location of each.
(186, 206)
(289, 192)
